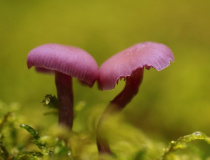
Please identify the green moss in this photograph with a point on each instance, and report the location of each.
(20, 141)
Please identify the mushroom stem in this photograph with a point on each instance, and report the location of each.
(65, 99)
(117, 104)
(130, 90)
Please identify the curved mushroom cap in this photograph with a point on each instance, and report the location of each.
(69, 60)
(121, 65)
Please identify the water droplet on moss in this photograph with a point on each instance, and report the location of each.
(22, 125)
(69, 153)
(197, 133)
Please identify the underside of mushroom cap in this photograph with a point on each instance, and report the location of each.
(141, 55)
(68, 60)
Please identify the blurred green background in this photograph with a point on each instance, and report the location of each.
(170, 103)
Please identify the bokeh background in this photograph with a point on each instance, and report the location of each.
(170, 103)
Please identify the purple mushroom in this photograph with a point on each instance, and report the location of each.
(129, 65)
(65, 62)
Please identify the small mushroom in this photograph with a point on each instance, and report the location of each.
(65, 62)
(129, 65)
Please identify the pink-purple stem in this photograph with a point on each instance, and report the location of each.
(65, 99)
(117, 104)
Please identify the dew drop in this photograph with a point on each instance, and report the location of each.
(69, 153)
(22, 125)
(197, 133)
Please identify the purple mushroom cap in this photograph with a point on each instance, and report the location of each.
(68, 60)
(65, 62)
(141, 55)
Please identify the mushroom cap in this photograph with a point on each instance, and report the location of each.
(141, 55)
(68, 60)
